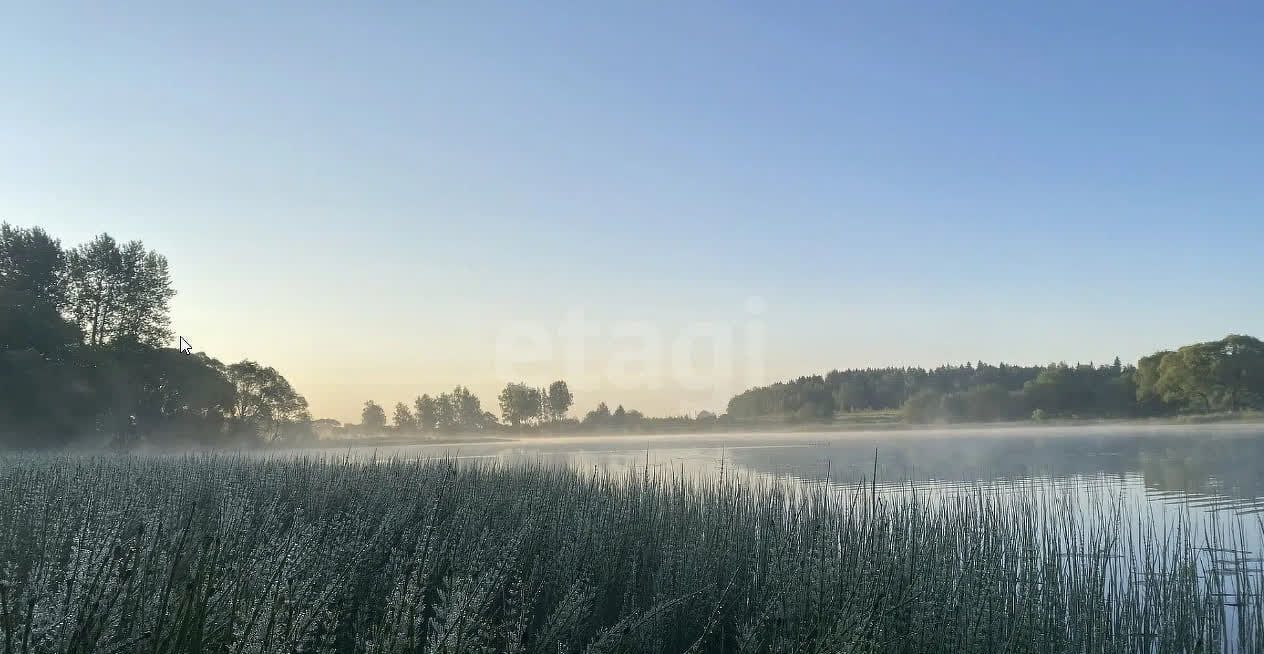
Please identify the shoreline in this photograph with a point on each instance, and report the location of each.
(806, 429)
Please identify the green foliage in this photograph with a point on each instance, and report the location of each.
(520, 404)
(32, 295)
(403, 419)
(372, 417)
(264, 400)
(456, 411)
(119, 292)
(426, 412)
(599, 416)
(559, 400)
(602, 419)
(214, 554)
(1223, 375)
(806, 398)
(81, 358)
(464, 409)
(1217, 376)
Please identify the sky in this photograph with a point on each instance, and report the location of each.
(663, 203)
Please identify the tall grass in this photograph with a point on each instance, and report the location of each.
(236, 555)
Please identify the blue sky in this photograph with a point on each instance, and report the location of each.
(364, 197)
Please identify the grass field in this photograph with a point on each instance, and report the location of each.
(227, 554)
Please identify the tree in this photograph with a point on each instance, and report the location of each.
(1238, 368)
(519, 404)
(32, 270)
(31, 266)
(146, 298)
(559, 400)
(426, 413)
(373, 416)
(1146, 378)
(987, 402)
(598, 417)
(326, 427)
(123, 386)
(853, 395)
(188, 389)
(446, 419)
(264, 399)
(466, 409)
(119, 292)
(403, 418)
(1185, 379)
(1224, 375)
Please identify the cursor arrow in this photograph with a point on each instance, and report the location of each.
(185, 348)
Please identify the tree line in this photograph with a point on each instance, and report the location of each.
(1226, 375)
(522, 407)
(84, 358)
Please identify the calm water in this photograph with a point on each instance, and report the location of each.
(1205, 475)
(1213, 468)
(1201, 484)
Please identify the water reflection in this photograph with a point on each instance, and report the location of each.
(1213, 467)
(1197, 486)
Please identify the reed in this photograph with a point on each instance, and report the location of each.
(212, 553)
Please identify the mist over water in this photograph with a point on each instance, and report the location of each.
(1158, 488)
(1147, 473)
(1217, 466)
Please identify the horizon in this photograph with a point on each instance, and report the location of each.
(376, 204)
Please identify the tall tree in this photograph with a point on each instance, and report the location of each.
(372, 416)
(519, 404)
(32, 294)
(1238, 368)
(403, 418)
(32, 265)
(426, 413)
(119, 292)
(144, 313)
(560, 400)
(466, 409)
(446, 418)
(1186, 378)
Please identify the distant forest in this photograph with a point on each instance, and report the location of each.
(1217, 376)
(86, 358)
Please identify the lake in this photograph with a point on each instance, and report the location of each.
(1214, 468)
(1205, 474)
(1201, 485)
